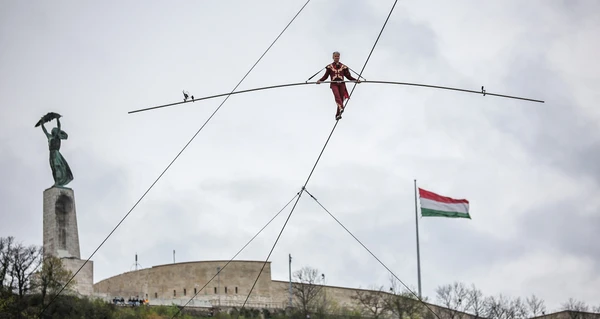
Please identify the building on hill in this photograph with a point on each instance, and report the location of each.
(183, 283)
(180, 281)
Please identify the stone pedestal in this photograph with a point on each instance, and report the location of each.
(61, 237)
(84, 280)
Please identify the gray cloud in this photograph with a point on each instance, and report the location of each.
(93, 63)
(556, 132)
(568, 226)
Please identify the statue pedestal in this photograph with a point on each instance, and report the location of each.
(61, 237)
(84, 280)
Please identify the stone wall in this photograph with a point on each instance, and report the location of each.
(342, 295)
(166, 283)
(183, 280)
(84, 280)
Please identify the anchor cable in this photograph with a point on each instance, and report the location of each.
(313, 76)
(372, 254)
(232, 258)
(173, 161)
(270, 252)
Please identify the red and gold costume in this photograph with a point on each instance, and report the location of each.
(337, 72)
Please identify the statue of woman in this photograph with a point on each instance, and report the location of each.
(60, 168)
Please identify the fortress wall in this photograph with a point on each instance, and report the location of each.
(169, 281)
(341, 296)
(159, 283)
(128, 284)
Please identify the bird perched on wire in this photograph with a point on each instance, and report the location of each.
(186, 96)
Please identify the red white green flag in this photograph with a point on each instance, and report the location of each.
(434, 205)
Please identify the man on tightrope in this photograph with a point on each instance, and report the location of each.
(337, 71)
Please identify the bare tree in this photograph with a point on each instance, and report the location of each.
(518, 309)
(503, 307)
(475, 302)
(5, 263)
(497, 307)
(371, 302)
(577, 309)
(455, 298)
(575, 305)
(536, 306)
(17, 263)
(402, 303)
(308, 289)
(24, 262)
(596, 309)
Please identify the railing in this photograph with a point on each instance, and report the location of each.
(255, 305)
(199, 303)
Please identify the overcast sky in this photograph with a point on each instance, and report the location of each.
(529, 170)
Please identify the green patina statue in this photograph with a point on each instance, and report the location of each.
(60, 168)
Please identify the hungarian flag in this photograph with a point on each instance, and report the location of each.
(434, 205)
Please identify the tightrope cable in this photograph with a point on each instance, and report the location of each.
(372, 254)
(176, 157)
(232, 258)
(315, 165)
(482, 92)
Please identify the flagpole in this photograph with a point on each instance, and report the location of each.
(418, 253)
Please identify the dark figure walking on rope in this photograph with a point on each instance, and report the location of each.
(337, 71)
(61, 172)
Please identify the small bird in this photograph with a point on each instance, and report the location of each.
(185, 96)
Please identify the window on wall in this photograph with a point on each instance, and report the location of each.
(174, 293)
(146, 296)
(215, 290)
(184, 291)
(236, 290)
(156, 295)
(195, 291)
(225, 289)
